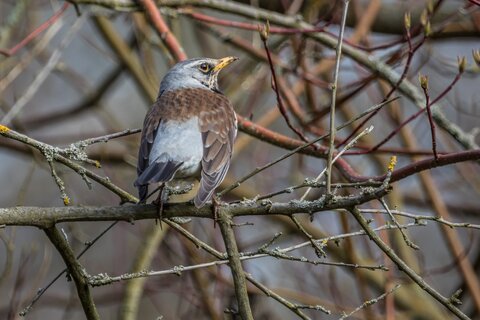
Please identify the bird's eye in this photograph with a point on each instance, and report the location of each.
(204, 67)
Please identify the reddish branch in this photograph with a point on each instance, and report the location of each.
(281, 107)
(279, 30)
(410, 53)
(415, 115)
(431, 163)
(244, 25)
(424, 85)
(163, 31)
(36, 32)
(345, 169)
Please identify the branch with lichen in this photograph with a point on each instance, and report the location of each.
(67, 157)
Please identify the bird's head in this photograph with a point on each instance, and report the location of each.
(195, 73)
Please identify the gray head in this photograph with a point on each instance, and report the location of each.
(195, 73)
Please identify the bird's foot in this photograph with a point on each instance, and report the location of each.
(159, 202)
(215, 205)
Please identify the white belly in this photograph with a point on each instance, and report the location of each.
(180, 142)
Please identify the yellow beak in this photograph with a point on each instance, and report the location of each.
(222, 63)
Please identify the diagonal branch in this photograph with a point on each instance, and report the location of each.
(336, 74)
(448, 303)
(163, 31)
(75, 271)
(225, 223)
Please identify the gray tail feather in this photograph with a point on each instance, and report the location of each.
(155, 172)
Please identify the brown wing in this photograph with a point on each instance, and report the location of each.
(218, 125)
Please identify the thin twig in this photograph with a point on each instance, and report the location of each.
(411, 51)
(317, 247)
(264, 30)
(448, 303)
(300, 148)
(430, 120)
(369, 302)
(36, 32)
(336, 74)
(107, 137)
(105, 279)
(416, 114)
(337, 156)
(41, 291)
(423, 218)
(405, 237)
(45, 71)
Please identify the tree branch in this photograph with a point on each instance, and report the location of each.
(448, 303)
(75, 271)
(225, 222)
(47, 217)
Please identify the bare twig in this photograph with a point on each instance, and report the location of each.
(75, 270)
(264, 32)
(300, 148)
(43, 74)
(411, 51)
(424, 218)
(337, 156)
(36, 32)
(163, 31)
(336, 74)
(105, 279)
(369, 302)
(41, 291)
(448, 303)
(424, 85)
(405, 237)
(419, 112)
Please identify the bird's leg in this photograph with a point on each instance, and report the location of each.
(215, 204)
(159, 203)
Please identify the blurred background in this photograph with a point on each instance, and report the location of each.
(97, 73)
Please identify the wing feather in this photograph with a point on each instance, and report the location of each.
(219, 129)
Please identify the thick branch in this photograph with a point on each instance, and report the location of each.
(75, 270)
(225, 222)
(47, 217)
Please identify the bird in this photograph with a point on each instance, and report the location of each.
(189, 131)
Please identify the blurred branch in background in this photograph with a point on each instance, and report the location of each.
(85, 70)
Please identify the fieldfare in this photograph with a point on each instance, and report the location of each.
(189, 131)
